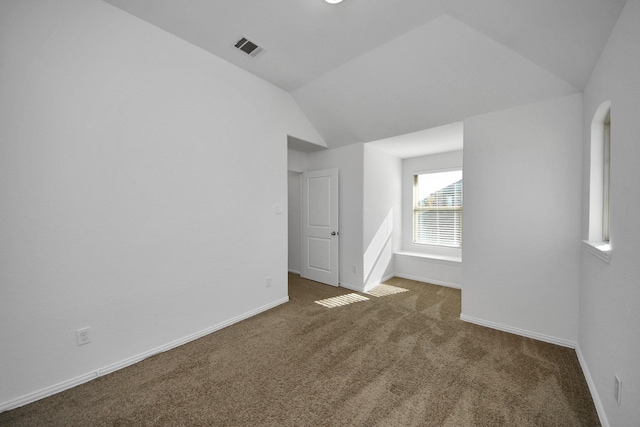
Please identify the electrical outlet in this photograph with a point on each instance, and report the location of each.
(82, 336)
(268, 281)
(617, 389)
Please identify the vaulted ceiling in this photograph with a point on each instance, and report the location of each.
(364, 70)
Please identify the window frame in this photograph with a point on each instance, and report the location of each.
(606, 170)
(599, 236)
(455, 208)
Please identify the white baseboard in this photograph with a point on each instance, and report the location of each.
(390, 276)
(73, 382)
(592, 388)
(517, 331)
(367, 288)
(427, 280)
(47, 391)
(295, 272)
(370, 286)
(352, 287)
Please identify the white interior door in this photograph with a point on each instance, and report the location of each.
(320, 226)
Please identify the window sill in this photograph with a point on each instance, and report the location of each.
(431, 257)
(601, 250)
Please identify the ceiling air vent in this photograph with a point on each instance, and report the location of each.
(248, 47)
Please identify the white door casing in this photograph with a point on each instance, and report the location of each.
(320, 226)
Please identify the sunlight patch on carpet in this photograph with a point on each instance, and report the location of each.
(383, 290)
(341, 300)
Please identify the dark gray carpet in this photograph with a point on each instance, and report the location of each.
(398, 360)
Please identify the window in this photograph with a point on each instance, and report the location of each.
(437, 208)
(599, 242)
(606, 135)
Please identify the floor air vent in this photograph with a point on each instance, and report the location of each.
(248, 47)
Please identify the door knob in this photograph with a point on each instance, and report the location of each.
(333, 233)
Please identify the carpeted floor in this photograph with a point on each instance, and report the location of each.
(400, 359)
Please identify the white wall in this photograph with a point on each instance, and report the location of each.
(609, 334)
(522, 195)
(381, 213)
(294, 224)
(297, 161)
(349, 161)
(438, 271)
(138, 177)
